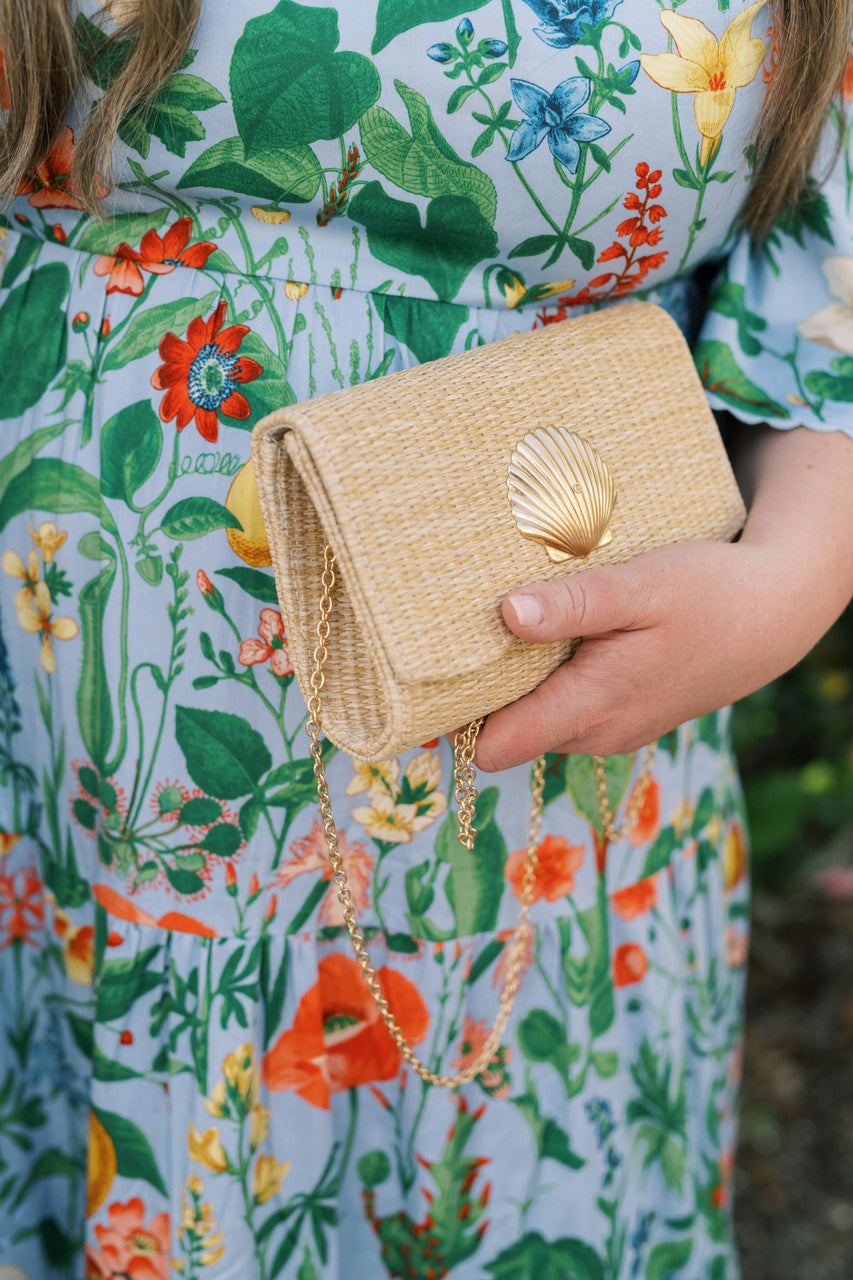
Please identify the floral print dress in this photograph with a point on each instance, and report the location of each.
(193, 1078)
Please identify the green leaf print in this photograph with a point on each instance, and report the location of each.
(393, 17)
(728, 299)
(255, 583)
(552, 1141)
(279, 173)
(721, 374)
(423, 161)
(94, 708)
(668, 1258)
(170, 115)
(832, 386)
(133, 1150)
(456, 237)
(51, 484)
(24, 255)
(131, 444)
(146, 328)
(225, 756)
(474, 886)
(105, 236)
(582, 787)
(19, 458)
(106, 1069)
(660, 1112)
(542, 1038)
(287, 81)
(122, 982)
(28, 367)
(224, 840)
(660, 854)
(534, 1258)
(427, 328)
(271, 390)
(196, 516)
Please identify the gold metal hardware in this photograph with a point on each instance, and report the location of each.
(561, 492)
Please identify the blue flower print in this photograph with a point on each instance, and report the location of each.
(556, 116)
(564, 22)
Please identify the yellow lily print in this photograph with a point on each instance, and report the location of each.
(36, 619)
(713, 70)
(29, 573)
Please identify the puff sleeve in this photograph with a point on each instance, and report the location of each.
(776, 345)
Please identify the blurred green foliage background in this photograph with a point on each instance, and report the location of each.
(794, 742)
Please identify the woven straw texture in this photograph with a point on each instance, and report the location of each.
(406, 478)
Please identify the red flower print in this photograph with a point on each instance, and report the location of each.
(338, 193)
(49, 186)
(640, 229)
(629, 964)
(21, 907)
(272, 644)
(636, 900)
(200, 374)
(129, 1248)
(338, 1040)
(156, 254)
(309, 855)
(557, 862)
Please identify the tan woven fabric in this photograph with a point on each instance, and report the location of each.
(406, 478)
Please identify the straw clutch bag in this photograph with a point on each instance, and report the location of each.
(400, 512)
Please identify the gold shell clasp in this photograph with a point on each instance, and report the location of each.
(561, 492)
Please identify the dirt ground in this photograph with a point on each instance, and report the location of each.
(794, 1182)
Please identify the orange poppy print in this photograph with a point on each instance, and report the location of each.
(156, 254)
(637, 899)
(556, 865)
(200, 374)
(338, 1040)
(629, 964)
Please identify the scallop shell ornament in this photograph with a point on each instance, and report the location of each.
(561, 492)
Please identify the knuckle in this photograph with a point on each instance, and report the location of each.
(574, 604)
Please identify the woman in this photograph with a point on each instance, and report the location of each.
(194, 1074)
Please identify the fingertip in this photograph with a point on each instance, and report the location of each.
(523, 611)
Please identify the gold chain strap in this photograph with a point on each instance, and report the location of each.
(465, 779)
(465, 791)
(638, 798)
(466, 795)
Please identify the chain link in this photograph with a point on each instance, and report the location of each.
(638, 796)
(465, 779)
(466, 742)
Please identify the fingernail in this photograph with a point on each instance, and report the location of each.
(528, 610)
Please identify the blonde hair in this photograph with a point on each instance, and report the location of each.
(43, 70)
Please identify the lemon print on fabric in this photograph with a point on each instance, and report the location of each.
(250, 542)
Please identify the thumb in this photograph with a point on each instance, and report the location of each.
(590, 603)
